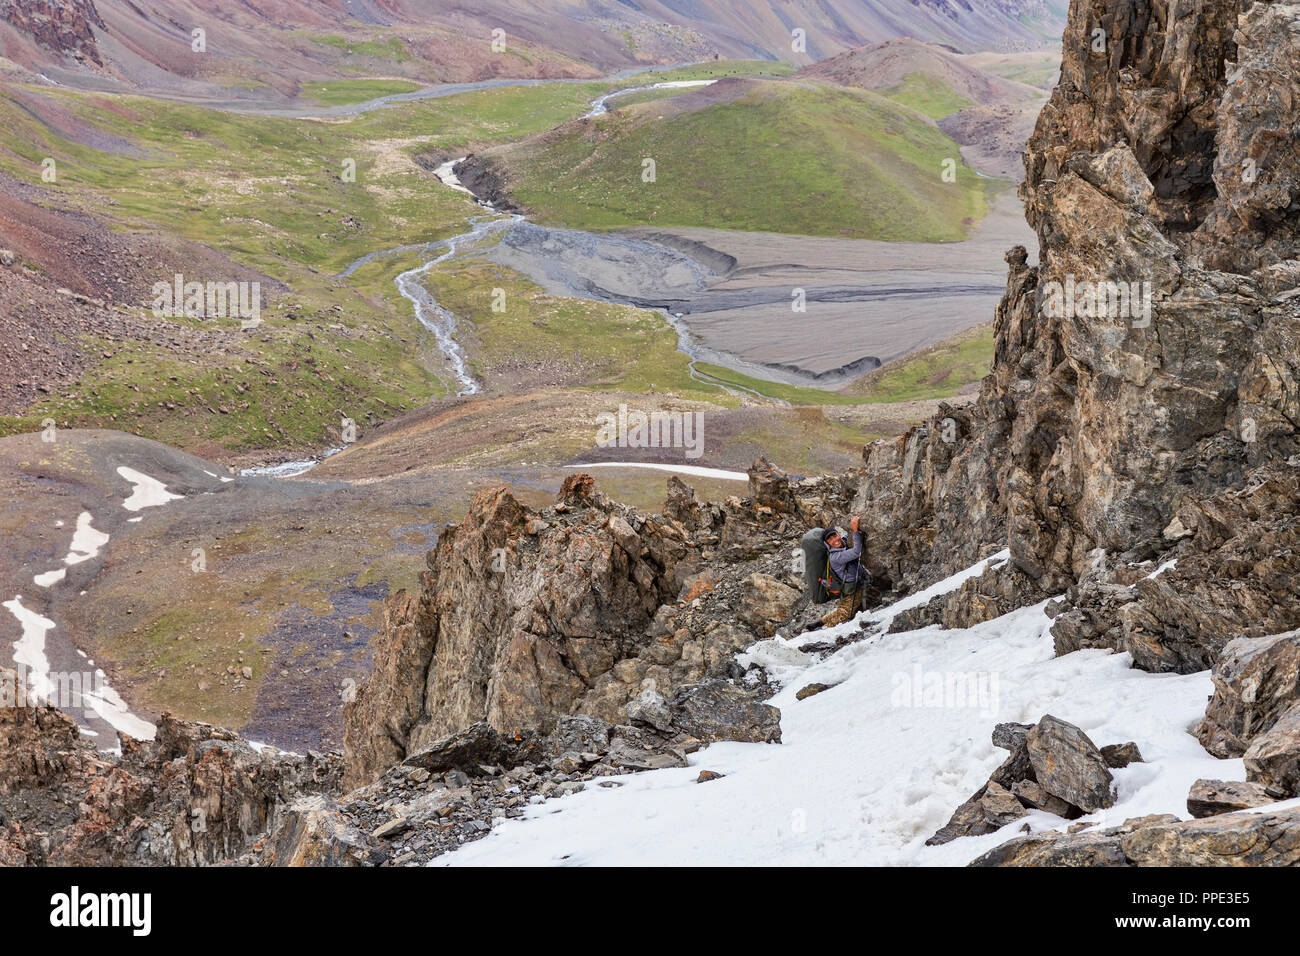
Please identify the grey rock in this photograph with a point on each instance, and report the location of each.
(1068, 764)
(470, 749)
(719, 710)
(1010, 735)
(1209, 798)
(649, 707)
(312, 832)
(1229, 839)
(1273, 758)
(1121, 755)
(1033, 796)
(1256, 681)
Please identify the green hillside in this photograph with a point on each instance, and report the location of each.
(782, 157)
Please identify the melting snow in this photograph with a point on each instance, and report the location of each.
(86, 541)
(873, 766)
(696, 470)
(29, 650)
(148, 493)
(106, 702)
(50, 577)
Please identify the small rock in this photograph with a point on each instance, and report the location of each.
(811, 690)
(1010, 735)
(391, 829)
(707, 775)
(1121, 755)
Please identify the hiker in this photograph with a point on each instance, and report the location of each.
(845, 578)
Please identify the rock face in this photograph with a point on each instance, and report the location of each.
(64, 26)
(1273, 758)
(1109, 440)
(1231, 839)
(1256, 682)
(193, 796)
(584, 608)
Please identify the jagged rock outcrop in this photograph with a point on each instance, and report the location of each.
(1230, 839)
(64, 26)
(527, 616)
(194, 795)
(1053, 766)
(1111, 438)
(1256, 683)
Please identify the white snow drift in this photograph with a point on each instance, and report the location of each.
(870, 768)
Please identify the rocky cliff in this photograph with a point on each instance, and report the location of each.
(1109, 434)
(524, 617)
(195, 795)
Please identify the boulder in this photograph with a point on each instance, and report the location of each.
(1229, 839)
(1121, 755)
(1273, 758)
(990, 809)
(473, 748)
(717, 710)
(313, 832)
(1068, 765)
(649, 707)
(1209, 798)
(766, 603)
(1256, 681)
(1032, 795)
(769, 487)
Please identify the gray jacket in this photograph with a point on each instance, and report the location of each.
(844, 561)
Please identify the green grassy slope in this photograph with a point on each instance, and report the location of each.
(929, 95)
(783, 157)
(937, 371)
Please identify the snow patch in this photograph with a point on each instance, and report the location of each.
(108, 704)
(50, 577)
(29, 650)
(696, 470)
(148, 493)
(86, 541)
(869, 769)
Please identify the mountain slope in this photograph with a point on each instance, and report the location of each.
(269, 46)
(867, 168)
(907, 67)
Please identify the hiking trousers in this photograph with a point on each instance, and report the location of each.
(845, 609)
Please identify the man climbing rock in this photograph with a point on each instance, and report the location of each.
(845, 577)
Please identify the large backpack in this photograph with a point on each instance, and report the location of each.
(816, 566)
